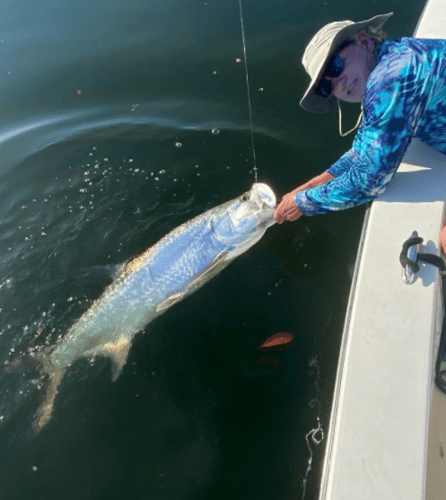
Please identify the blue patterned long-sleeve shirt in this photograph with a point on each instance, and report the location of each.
(405, 98)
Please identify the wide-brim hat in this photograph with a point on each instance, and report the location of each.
(320, 49)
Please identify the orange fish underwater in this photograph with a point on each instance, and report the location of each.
(278, 341)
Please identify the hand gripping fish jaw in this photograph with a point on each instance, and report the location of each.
(264, 194)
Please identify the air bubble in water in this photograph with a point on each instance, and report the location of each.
(178, 144)
(215, 131)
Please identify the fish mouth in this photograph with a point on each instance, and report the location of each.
(264, 195)
(262, 203)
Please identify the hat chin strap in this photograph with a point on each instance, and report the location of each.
(345, 134)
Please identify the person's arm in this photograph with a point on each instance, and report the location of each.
(287, 209)
(395, 98)
(314, 182)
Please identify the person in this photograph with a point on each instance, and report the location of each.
(401, 85)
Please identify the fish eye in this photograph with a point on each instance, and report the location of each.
(244, 197)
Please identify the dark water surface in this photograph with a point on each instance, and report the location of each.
(120, 121)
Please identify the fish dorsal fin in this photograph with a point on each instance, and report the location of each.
(110, 271)
(196, 282)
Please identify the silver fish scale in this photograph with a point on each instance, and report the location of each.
(129, 303)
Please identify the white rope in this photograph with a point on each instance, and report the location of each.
(316, 441)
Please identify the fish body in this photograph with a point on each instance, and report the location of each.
(180, 263)
(278, 341)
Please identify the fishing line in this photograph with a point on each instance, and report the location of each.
(247, 89)
(316, 436)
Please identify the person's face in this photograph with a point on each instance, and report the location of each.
(359, 62)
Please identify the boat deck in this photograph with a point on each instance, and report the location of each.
(436, 456)
(385, 403)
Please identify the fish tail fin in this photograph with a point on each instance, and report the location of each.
(23, 361)
(45, 410)
(18, 363)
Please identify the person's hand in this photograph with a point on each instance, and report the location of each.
(287, 210)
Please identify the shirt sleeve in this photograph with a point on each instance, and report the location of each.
(395, 99)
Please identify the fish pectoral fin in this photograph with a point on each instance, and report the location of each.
(198, 280)
(210, 271)
(170, 301)
(118, 353)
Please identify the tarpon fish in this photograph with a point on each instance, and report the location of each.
(176, 266)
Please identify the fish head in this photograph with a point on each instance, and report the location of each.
(242, 222)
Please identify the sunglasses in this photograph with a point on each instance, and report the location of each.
(334, 68)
